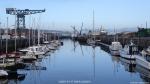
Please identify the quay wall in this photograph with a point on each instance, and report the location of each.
(142, 42)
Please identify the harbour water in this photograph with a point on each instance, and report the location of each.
(73, 63)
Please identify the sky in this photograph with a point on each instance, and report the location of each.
(124, 15)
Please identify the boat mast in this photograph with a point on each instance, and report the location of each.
(93, 24)
(39, 30)
(29, 30)
(29, 35)
(0, 38)
(146, 24)
(15, 33)
(15, 27)
(6, 37)
(34, 31)
(114, 34)
(38, 37)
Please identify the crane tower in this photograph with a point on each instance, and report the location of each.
(21, 15)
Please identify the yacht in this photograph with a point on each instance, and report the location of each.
(143, 60)
(115, 47)
(25, 50)
(129, 51)
(32, 53)
(28, 56)
(45, 48)
(51, 47)
(3, 73)
(37, 50)
(4, 62)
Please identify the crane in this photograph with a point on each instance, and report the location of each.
(21, 15)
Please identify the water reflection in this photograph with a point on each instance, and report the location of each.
(13, 78)
(128, 64)
(144, 73)
(81, 62)
(93, 47)
(116, 63)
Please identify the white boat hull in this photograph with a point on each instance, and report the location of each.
(28, 58)
(115, 52)
(126, 56)
(3, 73)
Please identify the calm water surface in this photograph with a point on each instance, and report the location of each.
(80, 64)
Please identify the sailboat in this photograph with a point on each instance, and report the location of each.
(91, 40)
(115, 47)
(5, 60)
(34, 51)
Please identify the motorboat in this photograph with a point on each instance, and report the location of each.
(28, 56)
(114, 48)
(130, 51)
(3, 73)
(36, 50)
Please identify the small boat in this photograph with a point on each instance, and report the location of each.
(115, 47)
(25, 50)
(143, 60)
(91, 41)
(45, 49)
(46, 42)
(5, 62)
(3, 73)
(37, 50)
(51, 47)
(129, 51)
(29, 56)
(58, 42)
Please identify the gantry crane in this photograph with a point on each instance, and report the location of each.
(21, 15)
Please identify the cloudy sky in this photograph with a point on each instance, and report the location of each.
(61, 14)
